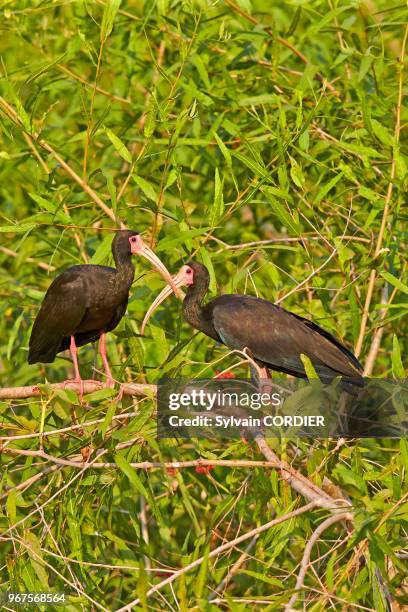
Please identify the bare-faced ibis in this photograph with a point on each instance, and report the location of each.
(86, 301)
(273, 337)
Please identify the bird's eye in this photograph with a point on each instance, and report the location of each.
(133, 239)
(188, 271)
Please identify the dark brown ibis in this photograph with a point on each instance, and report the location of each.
(272, 337)
(86, 301)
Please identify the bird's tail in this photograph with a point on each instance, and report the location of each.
(352, 385)
(42, 349)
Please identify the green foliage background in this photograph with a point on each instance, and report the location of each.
(260, 138)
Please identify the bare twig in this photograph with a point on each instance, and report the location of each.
(387, 202)
(345, 516)
(233, 569)
(77, 77)
(47, 170)
(12, 114)
(280, 239)
(41, 561)
(30, 481)
(89, 387)
(142, 465)
(219, 550)
(300, 483)
(63, 430)
(307, 279)
(283, 42)
(40, 264)
(378, 334)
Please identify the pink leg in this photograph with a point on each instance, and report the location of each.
(261, 373)
(78, 378)
(265, 381)
(102, 349)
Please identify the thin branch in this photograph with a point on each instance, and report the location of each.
(233, 569)
(47, 170)
(219, 550)
(90, 386)
(142, 465)
(345, 516)
(40, 264)
(12, 114)
(77, 77)
(300, 483)
(378, 334)
(29, 481)
(397, 130)
(54, 496)
(54, 432)
(280, 239)
(283, 42)
(44, 563)
(307, 279)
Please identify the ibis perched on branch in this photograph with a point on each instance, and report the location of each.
(272, 337)
(86, 301)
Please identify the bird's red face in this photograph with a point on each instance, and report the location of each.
(136, 244)
(183, 278)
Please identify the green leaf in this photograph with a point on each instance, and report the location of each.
(111, 188)
(131, 474)
(119, 145)
(397, 365)
(369, 194)
(108, 19)
(225, 152)
(296, 173)
(382, 133)
(37, 560)
(13, 335)
(257, 100)
(50, 207)
(256, 168)
(146, 187)
(202, 575)
(101, 394)
(323, 191)
(104, 249)
(263, 578)
(172, 178)
(309, 368)
(281, 212)
(172, 241)
(394, 281)
(304, 140)
(18, 228)
(108, 418)
(217, 208)
(11, 506)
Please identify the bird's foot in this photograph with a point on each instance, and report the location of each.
(81, 390)
(119, 396)
(266, 386)
(109, 383)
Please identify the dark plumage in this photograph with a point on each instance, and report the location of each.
(86, 301)
(274, 336)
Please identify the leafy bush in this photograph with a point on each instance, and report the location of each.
(266, 140)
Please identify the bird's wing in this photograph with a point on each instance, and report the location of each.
(62, 310)
(278, 337)
(120, 311)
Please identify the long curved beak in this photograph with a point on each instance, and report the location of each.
(176, 283)
(148, 254)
